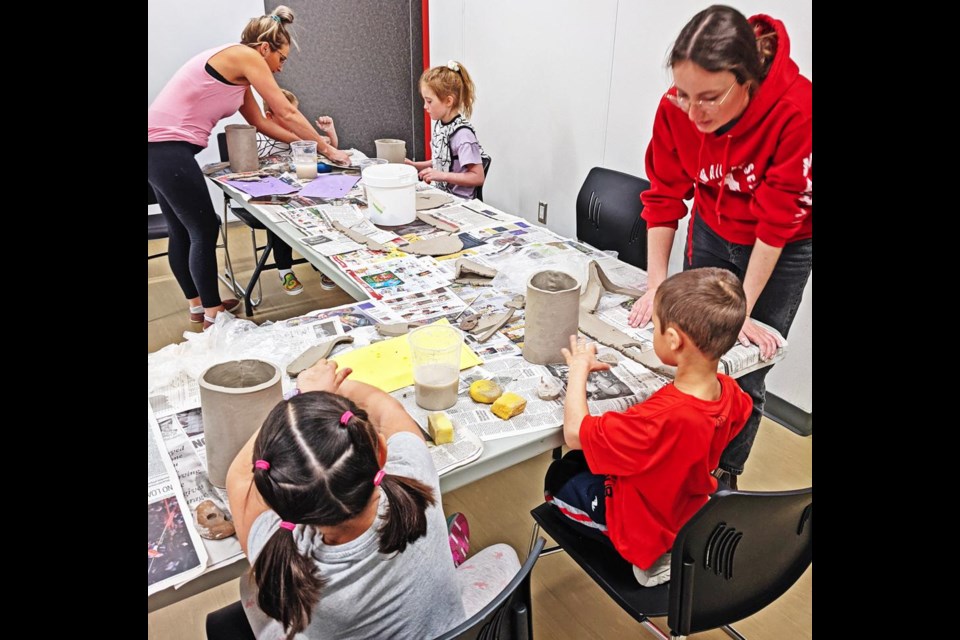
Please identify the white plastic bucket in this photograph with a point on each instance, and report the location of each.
(391, 193)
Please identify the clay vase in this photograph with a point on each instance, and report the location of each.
(552, 314)
(235, 398)
(242, 147)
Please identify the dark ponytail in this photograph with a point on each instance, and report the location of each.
(406, 518)
(288, 583)
(322, 456)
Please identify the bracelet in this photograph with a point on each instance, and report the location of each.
(289, 394)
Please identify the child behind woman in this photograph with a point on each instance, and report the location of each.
(458, 159)
(282, 252)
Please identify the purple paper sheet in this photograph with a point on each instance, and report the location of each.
(329, 186)
(268, 186)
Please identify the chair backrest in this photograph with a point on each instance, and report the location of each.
(222, 146)
(485, 161)
(156, 223)
(509, 616)
(608, 214)
(736, 555)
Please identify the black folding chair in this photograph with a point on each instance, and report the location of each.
(608, 214)
(735, 556)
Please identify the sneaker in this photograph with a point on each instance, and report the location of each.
(658, 573)
(458, 532)
(327, 283)
(291, 286)
(228, 305)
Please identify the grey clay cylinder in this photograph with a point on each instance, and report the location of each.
(552, 315)
(242, 147)
(235, 398)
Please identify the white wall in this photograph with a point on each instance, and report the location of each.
(563, 86)
(177, 30)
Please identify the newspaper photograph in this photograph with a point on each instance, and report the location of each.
(496, 346)
(366, 257)
(175, 552)
(351, 316)
(179, 393)
(616, 389)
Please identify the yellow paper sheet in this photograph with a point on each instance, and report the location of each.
(386, 365)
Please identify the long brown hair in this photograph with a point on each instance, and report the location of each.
(321, 472)
(720, 38)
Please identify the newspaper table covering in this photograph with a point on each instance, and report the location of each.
(175, 553)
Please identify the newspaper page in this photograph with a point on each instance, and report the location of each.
(492, 213)
(175, 552)
(465, 448)
(184, 440)
(402, 276)
(420, 306)
(330, 244)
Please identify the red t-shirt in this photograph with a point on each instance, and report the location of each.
(658, 456)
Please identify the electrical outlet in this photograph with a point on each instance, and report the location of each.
(542, 212)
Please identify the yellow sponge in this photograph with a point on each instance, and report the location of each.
(485, 391)
(508, 405)
(441, 429)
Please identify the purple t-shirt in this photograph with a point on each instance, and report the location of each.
(467, 149)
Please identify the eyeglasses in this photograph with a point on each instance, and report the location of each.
(283, 58)
(709, 106)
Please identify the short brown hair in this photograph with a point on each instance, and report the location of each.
(289, 95)
(707, 304)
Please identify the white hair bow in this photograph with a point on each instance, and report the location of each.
(453, 66)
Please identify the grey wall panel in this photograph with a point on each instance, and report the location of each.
(359, 62)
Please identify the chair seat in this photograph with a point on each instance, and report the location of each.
(247, 218)
(156, 227)
(605, 566)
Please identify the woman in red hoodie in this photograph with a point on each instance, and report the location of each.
(735, 134)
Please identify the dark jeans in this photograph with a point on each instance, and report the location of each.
(282, 252)
(192, 223)
(777, 306)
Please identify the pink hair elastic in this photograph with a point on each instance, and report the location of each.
(262, 464)
(289, 526)
(345, 418)
(377, 479)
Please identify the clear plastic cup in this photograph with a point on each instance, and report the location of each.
(435, 353)
(304, 158)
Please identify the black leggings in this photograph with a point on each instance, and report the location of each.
(192, 223)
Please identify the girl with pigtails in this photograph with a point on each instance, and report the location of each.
(337, 505)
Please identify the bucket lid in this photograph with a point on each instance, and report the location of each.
(389, 175)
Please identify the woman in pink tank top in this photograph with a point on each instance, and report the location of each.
(211, 86)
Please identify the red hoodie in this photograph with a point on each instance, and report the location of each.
(755, 180)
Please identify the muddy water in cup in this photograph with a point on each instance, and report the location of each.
(436, 386)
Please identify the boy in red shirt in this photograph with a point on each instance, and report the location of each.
(644, 472)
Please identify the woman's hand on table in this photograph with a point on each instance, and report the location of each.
(752, 333)
(323, 376)
(642, 311)
(337, 156)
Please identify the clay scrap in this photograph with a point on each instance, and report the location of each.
(212, 522)
(549, 388)
(433, 221)
(394, 329)
(310, 357)
(437, 246)
(358, 237)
